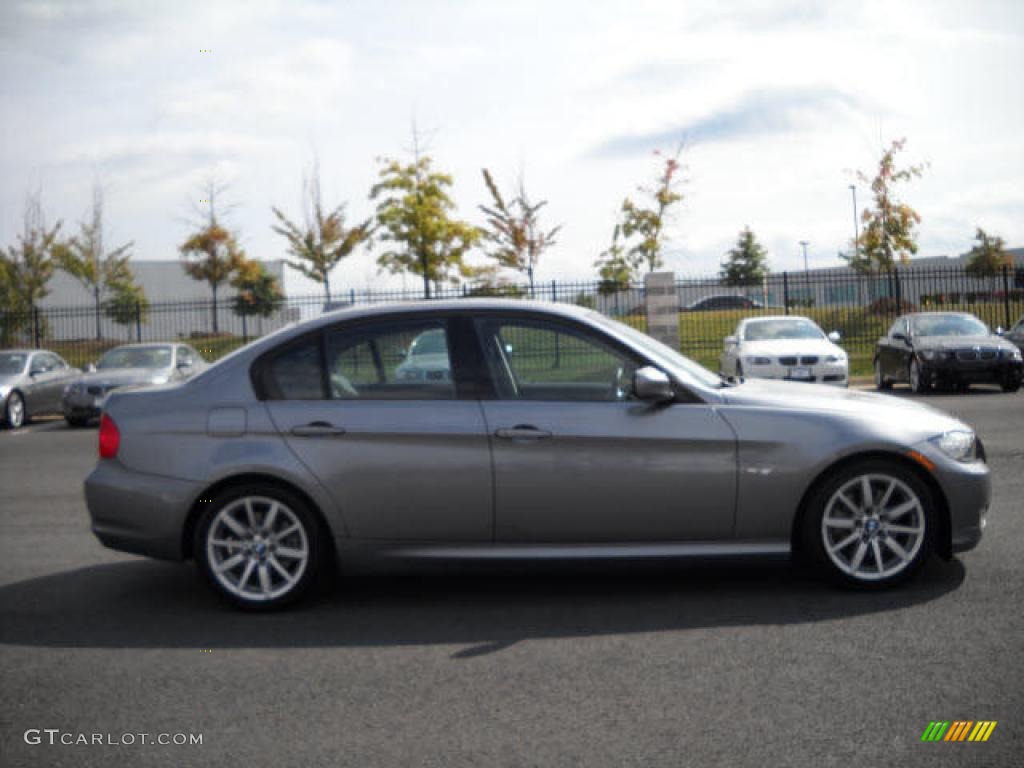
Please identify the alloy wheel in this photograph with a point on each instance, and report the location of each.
(873, 527)
(15, 410)
(257, 549)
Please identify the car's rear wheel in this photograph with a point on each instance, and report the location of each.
(259, 547)
(1010, 384)
(14, 410)
(881, 383)
(76, 421)
(871, 525)
(917, 382)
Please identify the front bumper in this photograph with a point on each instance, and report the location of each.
(81, 405)
(137, 512)
(823, 373)
(937, 372)
(967, 488)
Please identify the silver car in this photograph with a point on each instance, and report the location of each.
(560, 434)
(127, 365)
(31, 382)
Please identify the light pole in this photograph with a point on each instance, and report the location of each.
(804, 244)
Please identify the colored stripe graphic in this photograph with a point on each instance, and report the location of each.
(958, 730)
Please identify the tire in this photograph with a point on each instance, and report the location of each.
(739, 370)
(881, 383)
(264, 577)
(14, 411)
(875, 545)
(1010, 386)
(917, 384)
(76, 421)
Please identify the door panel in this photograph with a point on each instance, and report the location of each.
(400, 470)
(611, 471)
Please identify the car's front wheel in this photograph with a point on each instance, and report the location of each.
(259, 547)
(14, 410)
(871, 525)
(917, 380)
(1010, 384)
(881, 383)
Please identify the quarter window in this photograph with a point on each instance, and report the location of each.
(539, 360)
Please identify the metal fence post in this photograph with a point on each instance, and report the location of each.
(785, 291)
(1006, 297)
(138, 321)
(554, 291)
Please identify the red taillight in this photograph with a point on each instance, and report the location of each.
(110, 437)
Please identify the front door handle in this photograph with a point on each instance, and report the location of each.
(522, 432)
(318, 429)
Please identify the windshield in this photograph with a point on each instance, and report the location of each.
(429, 343)
(948, 325)
(646, 343)
(12, 362)
(796, 328)
(136, 357)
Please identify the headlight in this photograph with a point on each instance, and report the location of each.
(758, 360)
(928, 354)
(159, 379)
(1011, 354)
(4, 392)
(958, 444)
(835, 359)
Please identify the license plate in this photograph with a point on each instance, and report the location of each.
(799, 373)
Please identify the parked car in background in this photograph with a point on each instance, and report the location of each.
(127, 365)
(31, 383)
(426, 359)
(787, 347)
(1016, 334)
(728, 301)
(561, 433)
(945, 349)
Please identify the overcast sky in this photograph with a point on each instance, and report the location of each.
(778, 102)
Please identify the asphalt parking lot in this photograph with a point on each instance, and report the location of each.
(588, 665)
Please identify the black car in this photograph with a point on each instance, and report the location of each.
(724, 302)
(945, 349)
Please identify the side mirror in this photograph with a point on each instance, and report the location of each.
(90, 368)
(653, 385)
(730, 341)
(834, 337)
(184, 365)
(35, 372)
(898, 336)
(999, 331)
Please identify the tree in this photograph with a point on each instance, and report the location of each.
(889, 227)
(747, 261)
(648, 223)
(258, 291)
(514, 229)
(988, 256)
(87, 259)
(28, 266)
(616, 267)
(416, 216)
(323, 240)
(211, 254)
(126, 303)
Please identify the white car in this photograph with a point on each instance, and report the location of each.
(426, 360)
(785, 347)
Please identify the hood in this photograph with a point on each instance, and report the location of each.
(777, 347)
(961, 342)
(7, 379)
(848, 402)
(120, 377)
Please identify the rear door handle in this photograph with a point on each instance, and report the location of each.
(522, 432)
(318, 429)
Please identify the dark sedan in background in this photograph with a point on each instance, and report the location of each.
(1016, 334)
(945, 349)
(127, 365)
(31, 382)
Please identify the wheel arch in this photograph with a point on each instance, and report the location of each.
(943, 537)
(241, 481)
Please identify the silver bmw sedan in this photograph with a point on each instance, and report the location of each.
(559, 433)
